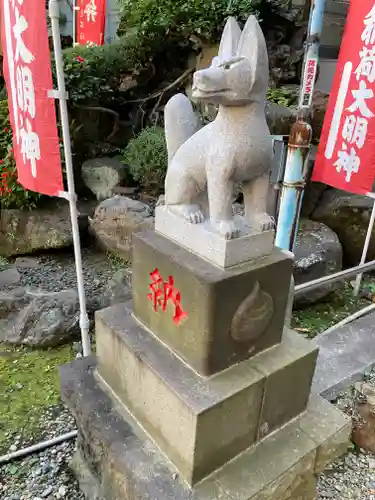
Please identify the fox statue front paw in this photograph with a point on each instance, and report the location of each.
(262, 222)
(228, 229)
(191, 213)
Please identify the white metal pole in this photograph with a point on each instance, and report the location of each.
(365, 250)
(62, 96)
(74, 22)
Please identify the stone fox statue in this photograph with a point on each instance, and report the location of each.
(204, 164)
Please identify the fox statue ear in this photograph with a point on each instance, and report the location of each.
(229, 41)
(252, 46)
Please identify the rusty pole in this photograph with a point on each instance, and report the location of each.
(296, 168)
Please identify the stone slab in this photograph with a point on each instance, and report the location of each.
(329, 428)
(125, 465)
(200, 423)
(345, 354)
(232, 314)
(201, 240)
(289, 370)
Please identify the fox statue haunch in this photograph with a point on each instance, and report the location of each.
(204, 164)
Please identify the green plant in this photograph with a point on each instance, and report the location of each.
(12, 194)
(147, 158)
(281, 96)
(183, 18)
(94, 74)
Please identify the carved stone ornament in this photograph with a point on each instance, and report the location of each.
(253, 316)
(205, 163)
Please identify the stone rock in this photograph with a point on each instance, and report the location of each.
(312, 196)
(116, 219)
(318, 253)
(25, 232)
(38, 319)
(280, 118)
(26, 263)
(364, 417)
(118, 289)
(9, 277)
(102, 175)
(348, 216)
(319, 108)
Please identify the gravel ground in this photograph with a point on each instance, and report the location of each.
(45, 475)
(350, 478)
(55, 272)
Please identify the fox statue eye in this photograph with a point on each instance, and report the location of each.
(226, 66)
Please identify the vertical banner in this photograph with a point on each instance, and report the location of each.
(91, 22)
(346, 153)
(27, 71)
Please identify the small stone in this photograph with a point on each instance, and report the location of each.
(62, 491)
(19, 386)
(13, 448)
(47, 492)
(37, 472)
(26, 263)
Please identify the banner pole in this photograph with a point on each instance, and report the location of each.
(74, 22)
(358, 281)
(62, 96)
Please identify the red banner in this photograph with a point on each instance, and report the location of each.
(346, 154)
(91, 22)
(28, 77)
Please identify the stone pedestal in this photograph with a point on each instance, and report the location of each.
(230, 314)
(198, 390)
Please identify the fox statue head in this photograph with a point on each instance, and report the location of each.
(239, 74)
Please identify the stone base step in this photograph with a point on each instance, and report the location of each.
(200, 423)
(115, 454)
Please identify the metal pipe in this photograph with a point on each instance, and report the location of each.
(37, 447)
(311, 56)
(296, 170)
(300, 138)
(62, 95)
(365, 250)
(74, 22)
(351, 318)
(333, 278)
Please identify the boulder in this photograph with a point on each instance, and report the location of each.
(319, 108)
(348, 216)
(118, 289)
(9, 277)
(116, 219)
(364, 416)
(38, 319)
(102, 175)
(280, 118)
(318, 253)
(25, 232)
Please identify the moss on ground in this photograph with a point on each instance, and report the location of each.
(29, 383)
(337, 306)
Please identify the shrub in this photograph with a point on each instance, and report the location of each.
(156, 19)
(147, 158)
(94, 74)
(281, 96)
(12, 194)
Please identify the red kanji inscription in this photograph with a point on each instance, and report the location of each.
(163, 292)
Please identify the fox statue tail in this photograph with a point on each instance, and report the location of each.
(180, 123)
